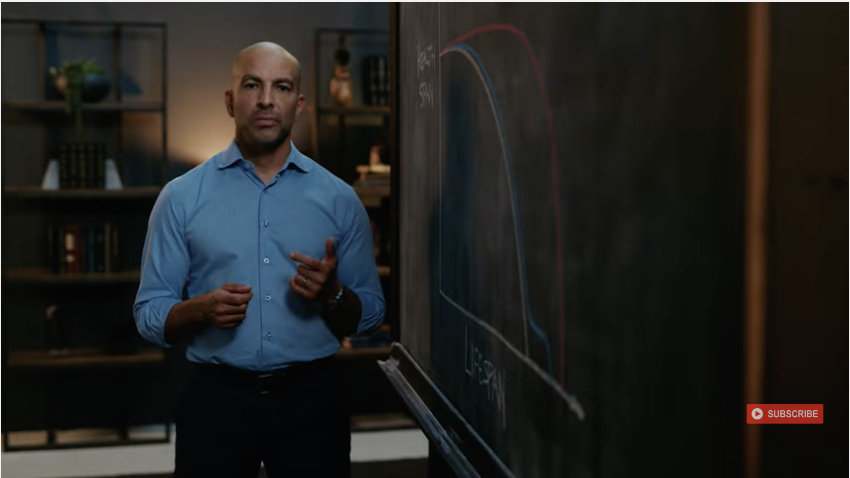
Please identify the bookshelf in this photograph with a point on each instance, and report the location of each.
(373, 196)
(340, 150)
(343, 139)
(44, 276)
(365, 351)
(35, 192)
(82, 358)
(386, 421)
(71, 353)
(58, 441)
(354, 110)
(59, 106)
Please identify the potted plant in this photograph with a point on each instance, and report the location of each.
(79, 81)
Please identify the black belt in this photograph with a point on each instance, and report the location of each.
(265, 382)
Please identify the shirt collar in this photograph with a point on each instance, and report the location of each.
(232, 154)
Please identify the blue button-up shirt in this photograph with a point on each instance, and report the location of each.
(220, 223)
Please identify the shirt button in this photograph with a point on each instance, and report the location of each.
(269, 336)
(266, 260)
(268, 297)
(266, 223)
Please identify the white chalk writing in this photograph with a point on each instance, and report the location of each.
(426, 94)
(483, 373)
(426, 58)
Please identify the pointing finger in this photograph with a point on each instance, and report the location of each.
(330, 249)
(306, 260)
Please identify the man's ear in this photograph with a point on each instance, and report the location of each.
(300, 106)
(228, 102)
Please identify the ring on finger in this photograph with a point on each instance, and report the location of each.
(303, 281)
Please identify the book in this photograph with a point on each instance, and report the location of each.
(82, 165)
(64, 166)
(376, 81)
(100, 166)
(81, 248)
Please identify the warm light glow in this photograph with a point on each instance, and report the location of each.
(198, 127)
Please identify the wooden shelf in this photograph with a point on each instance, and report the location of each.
(81, 358)
(353, 31)
(381, 422)
(35, 192)
(384, 271)
(89, 444)
(43, 276)
(355, 110)
(365, 351)
(371, 196)
(59, 106)
(95, 23)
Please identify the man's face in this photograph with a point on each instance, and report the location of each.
(264, 98)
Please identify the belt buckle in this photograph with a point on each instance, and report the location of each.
(261, 381)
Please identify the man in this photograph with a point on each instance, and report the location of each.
(276, 255)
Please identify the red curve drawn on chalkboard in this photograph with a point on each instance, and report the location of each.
(495, 27)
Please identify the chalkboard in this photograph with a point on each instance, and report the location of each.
(570, 187)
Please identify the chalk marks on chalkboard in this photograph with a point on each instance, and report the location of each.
(478, 65)
(425, 58)
(426, 94)
(487, 374)
(572, 402)
(538, 73)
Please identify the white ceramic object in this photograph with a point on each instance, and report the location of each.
(112, 179)
(51, 176)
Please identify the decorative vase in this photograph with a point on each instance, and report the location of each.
(94, 89)
(50, 181)
(112, 177)
(340, 85)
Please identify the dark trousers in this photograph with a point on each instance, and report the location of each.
(297, 424)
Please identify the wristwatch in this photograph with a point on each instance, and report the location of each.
(338, 299)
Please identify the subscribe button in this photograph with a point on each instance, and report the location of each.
(787, 414)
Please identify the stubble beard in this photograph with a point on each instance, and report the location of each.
(249, 139)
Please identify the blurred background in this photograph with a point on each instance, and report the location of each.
(702, 148)
(80, 380)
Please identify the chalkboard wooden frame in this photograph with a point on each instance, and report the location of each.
(449, 434)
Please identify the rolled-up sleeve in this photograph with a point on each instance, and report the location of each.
(356, 267)
(165, 266)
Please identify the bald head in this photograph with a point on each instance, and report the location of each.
(264, 97)
(263, 53)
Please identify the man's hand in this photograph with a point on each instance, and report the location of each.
(225, 307)
(316, 280)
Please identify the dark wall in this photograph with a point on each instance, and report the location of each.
(807, 323)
